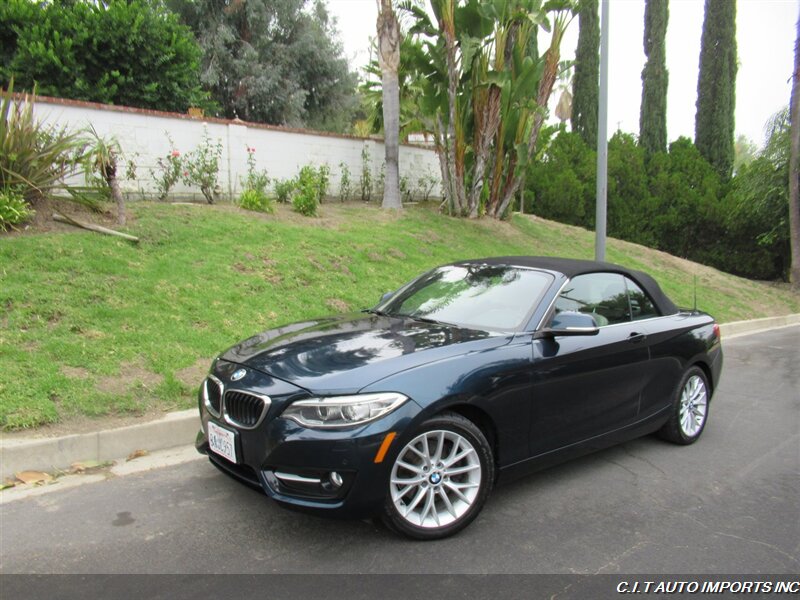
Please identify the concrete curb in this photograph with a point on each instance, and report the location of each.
(180, 428)
(47, 454)
(737, 328)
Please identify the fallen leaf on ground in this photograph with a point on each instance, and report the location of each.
(137, 454)
(7, 484)
(33, 477)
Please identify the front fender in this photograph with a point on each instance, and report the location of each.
(496, 381)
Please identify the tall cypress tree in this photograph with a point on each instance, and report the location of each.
(653, 112)
(586, 86)
(716, 86)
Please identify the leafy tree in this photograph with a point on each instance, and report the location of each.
(676, 201)
(586, 87)
(744, 152)
(561, 186)
(686, 215)
(653, 112)
(757, 220)
(129, 52)
(389, 57)
(631, 207)
(716, 86)
(273, 61)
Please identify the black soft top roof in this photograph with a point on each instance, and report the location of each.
(572, 267)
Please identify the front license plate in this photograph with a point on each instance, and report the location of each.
(222, 441)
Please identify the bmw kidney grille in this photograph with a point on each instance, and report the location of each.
(243, 409)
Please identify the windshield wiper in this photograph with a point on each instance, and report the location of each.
(375, 311)
(425, 319)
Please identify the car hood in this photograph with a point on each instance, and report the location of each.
(345, 353)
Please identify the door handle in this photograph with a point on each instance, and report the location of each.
(637, 337)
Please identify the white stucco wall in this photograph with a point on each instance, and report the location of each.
(142, 135)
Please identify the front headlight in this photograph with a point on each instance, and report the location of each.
(343, 411)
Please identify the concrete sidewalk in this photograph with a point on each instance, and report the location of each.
(180, 428)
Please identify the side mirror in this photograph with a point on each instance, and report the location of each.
(385, 297)
(570, 323)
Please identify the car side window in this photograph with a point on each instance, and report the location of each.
(601, 295)
(642, 307)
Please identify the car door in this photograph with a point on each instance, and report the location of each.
(585, 386)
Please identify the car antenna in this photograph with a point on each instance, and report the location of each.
(695, 294)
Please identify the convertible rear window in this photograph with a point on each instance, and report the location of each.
(489, 297)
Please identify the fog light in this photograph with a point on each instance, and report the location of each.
(336, 479)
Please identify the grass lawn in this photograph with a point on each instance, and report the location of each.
(92, 325)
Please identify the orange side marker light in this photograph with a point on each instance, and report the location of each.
(387, 441)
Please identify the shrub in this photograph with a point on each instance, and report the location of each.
(13, 208)
(307, 191)
(256, 200)
(34, 157)
(256, 180)
(345, 184)
(366, 175)
(284, 189)
(406, 191)
(132, 53)
(201, 167)
(254, 196)
(380, 182)
(425, 184)
(323, 181)
(169, 170)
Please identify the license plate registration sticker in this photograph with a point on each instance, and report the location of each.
(222, 441)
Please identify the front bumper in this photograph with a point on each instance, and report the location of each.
(333, 472)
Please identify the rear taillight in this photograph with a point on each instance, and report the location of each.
(717, 333)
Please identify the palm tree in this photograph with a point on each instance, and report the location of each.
(389, 58)
(100, 156)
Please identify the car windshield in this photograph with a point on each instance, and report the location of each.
(489, 297)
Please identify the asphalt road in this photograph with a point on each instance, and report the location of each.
(728, 504)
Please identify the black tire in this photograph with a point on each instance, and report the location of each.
(686, 429)
(456, 497)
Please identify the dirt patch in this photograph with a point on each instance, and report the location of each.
(130, 374)
(75, 372)
(317, 264)
(240, 268)
(428, 236)
(42, 221)
(191, 376)
(337, 304)
(343, 268)
(396, 253)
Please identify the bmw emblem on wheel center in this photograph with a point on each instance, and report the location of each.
(238, 374)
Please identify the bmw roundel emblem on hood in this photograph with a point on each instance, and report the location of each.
(238, 374)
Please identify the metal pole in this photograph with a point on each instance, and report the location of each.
(602, 139)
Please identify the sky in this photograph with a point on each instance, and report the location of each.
(765, 39)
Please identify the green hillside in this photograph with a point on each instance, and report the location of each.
(92, 325)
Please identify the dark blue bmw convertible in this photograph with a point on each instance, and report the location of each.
(473, 373)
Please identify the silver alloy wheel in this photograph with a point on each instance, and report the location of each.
(694, 406)
(435, 479)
